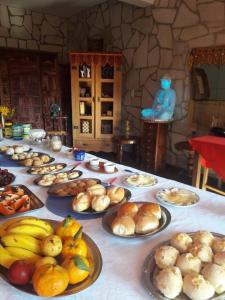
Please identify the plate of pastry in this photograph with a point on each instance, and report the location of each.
(47, 169)
(99, 199)
(188, 266)
(72, 188)
(37, 160)
(61, 177)
(136, 220)
(140, 180)
(179, 197)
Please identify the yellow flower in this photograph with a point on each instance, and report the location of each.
(4, 110)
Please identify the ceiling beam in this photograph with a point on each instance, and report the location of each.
(141, 3)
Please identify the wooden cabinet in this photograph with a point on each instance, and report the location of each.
(96, 99)
(153, 145)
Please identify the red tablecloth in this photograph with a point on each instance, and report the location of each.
(212, 151)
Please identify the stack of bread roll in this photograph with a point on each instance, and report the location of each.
(193, 264)
(98, 198)
(133, 218)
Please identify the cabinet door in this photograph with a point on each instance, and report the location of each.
(108, 99)
(83, 96)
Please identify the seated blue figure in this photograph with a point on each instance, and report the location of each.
(164, 102)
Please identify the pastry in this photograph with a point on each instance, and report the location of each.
(145, 224)
(81, 202)
(218, 245)
(166, 256)
(203, 237)
(203, 251)
(169, 282)
(216, 276)
(96, 190)
(45, 182)
(219, 258)
(123, 226)
(197, 288)
(44, 158)
(116, 194)
(90, 182)
(128, 209)
(150, 208)
(188, 263)
(181, 241)
(37, 161)
(73, 175)
(28, 162)
(100, 203)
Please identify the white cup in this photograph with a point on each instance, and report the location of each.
(109, 167)
(94, 162)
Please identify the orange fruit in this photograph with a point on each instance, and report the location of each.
(78, 268)
(45, 260)
(50, 280)
(73, 247)
(68, 228)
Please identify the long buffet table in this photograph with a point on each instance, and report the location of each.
(121, 276)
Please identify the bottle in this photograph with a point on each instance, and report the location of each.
(8, 130)
(1, 133)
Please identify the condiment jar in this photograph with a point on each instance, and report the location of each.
(56, 143)
(17, 132)
(26, 130)
(8, 130)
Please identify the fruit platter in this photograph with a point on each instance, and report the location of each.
(6, 177)
(48, 258)
(136, 220)
(17, 199)
(188, 266)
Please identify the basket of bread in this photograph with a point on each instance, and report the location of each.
(97, 198)
(136, 219)
(188, 266)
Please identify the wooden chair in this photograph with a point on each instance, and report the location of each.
(122, 140)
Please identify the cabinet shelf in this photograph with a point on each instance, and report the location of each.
(85, 79)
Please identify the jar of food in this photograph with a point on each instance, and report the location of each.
(17, 131)
(26, 130)
(56, 143)
(8, 130)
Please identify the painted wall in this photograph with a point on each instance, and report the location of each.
(26, 29)
(154, 41)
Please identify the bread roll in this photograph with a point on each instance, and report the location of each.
(128, 209)
(181, 241)
(96, 190)
(219, 258)
(90, 182)
(196, 287)
(169, 282)
(203, 237)
(166, 256)
(81, 202)
(187, 263)
(123, 225)
(216, 276)
(203, 251)
(116, 194)
(150, 208)
(218, 245)
(100, 203)
(145, 224)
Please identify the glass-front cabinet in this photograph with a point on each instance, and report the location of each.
(96, 99)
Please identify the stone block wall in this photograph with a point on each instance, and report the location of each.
(26, 29)
(154, 41)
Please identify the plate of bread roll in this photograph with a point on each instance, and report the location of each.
(188, 266)
(179, 197)
(136, 219)
(99, 199)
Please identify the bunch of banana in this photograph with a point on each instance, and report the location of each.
(21, 239)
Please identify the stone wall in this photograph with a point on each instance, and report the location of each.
(154, 41)
(26, 29)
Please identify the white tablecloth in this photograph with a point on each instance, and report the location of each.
(122, 258)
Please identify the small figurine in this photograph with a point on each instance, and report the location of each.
(164, 102)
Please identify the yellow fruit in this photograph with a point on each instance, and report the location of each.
(22, 241)
(51, 245)
(45, 260)
(20, 253)
(78, 268)
(37, 222)
(6, 259)
(6, 224)
(50, 280)
(68, 228)
(32, 230)
(73, 247)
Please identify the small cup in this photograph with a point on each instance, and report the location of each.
(109, 168)
(94, 162)
(79, 155)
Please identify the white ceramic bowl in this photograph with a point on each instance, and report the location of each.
(94, 162)
(109, 167)
(37, 133)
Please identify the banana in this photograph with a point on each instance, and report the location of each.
(20, 253)
(6, 224)
(37, 222)
(6, 259)
(22, 241)
(32, 230)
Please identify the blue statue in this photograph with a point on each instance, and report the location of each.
(164, 102)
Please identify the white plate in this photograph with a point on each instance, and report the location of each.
(140, 180)
(178, 197)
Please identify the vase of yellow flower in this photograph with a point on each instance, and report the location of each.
(6, 113)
